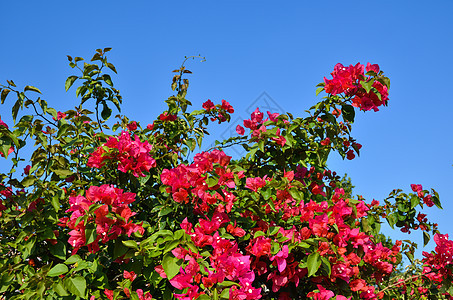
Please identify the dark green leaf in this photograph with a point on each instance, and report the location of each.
(426, 238)
(348, 113)
(5, 93)
(111, 67)
(90, 234)
(58, 250)
(107, 79)
(106, 112)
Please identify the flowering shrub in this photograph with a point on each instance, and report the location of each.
(97, 214)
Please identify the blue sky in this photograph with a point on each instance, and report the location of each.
(252, 47)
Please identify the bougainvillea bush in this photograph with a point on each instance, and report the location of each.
(97, 206)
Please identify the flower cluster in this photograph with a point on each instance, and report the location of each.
(190, 183)
(256, 124)
(220, 112)
(270, 258)
(367, 92)
(109, 219)
(131, 155)
(439, 264)
(226, 262)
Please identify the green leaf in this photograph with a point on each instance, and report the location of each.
(90, 234)
(391, 219)
(319, 90)
(107, 79)
(296, 194)
(111, 67)
(212, 181)
(5, 93)
(29, 180)
(426, 238)
(367, 85)
(436, 201)
(348, 113)
(76, 285)
(414, 201)
(130, 244)
(58, 270)
(63, 173)
(32, 88)
(326, 264)
(73, 259)
(165, 211)
(171, 265)
(59, 288)
(70, 81)
(313, 263)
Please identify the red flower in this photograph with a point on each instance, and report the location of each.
(132, 126)
(166, 117)
(350, 155)
(208, 105)
(325, 142)
(227, 106)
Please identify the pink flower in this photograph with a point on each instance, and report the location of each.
(374, 68)
(61, 115)
(129, 275)
(109, 294)
(273, 117)
(257, 116)
(323, 294)
(240, 130)
(255, 183)
(3, 123)
(280, 257)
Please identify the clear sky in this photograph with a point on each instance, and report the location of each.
(282, 48)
